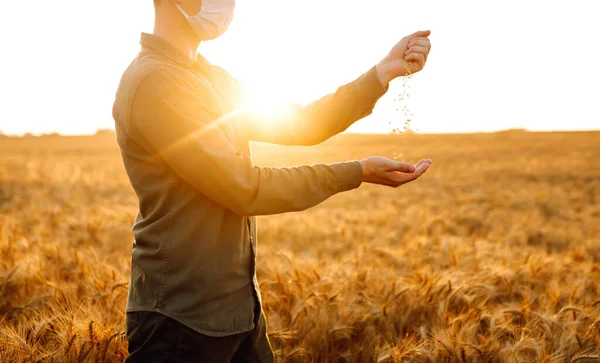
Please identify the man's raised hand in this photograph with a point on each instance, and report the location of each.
(384, 171)
(408, 56)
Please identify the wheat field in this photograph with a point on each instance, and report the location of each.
(492, 256)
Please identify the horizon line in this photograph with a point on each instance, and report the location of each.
(101, 132)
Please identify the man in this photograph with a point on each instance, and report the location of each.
(183, 133)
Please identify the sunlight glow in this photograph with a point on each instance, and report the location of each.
(267, 106)
(270, 50)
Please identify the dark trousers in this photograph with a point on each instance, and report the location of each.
(154, 337)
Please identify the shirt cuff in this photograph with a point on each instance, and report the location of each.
(369, 86)
(349, 175)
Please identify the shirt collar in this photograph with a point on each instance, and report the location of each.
(162, 46)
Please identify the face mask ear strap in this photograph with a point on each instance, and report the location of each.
(181, 9)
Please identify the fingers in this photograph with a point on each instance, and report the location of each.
(417, 49)
(399, 173)
(422, 161)
(402, 167)
(417, 165)
(418, 59)
(422, 42)
(422, 167)
(418, 45)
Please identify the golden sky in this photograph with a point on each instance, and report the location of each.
(494, 64)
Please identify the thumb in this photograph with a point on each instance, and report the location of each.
(420, 34)
(402, 167)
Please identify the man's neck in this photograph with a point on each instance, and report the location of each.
(178, 35)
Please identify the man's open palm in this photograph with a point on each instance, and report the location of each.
(384, 171)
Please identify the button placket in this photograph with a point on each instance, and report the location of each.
(252, 232)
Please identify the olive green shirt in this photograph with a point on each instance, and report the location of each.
(183, 133)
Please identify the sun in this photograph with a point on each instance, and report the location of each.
(267, 106)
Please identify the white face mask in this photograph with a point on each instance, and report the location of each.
(213, 20)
